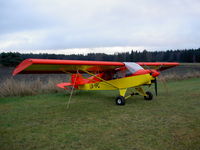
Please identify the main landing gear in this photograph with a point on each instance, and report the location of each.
(121, 100)
(149, 96)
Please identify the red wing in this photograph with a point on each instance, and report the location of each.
(33, 66)
(160, 66)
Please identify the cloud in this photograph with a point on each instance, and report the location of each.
(52, 24)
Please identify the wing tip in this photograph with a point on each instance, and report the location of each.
(23, 65)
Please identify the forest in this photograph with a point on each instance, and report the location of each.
(12, 59)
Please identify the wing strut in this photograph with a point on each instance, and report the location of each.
(72, 90)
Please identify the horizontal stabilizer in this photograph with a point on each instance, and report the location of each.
(63, 85)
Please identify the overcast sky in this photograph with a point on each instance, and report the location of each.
(81, 26)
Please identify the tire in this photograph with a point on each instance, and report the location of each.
(149, 96)
(120, 100)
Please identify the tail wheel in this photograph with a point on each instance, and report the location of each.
(149, 96)
(120, 100)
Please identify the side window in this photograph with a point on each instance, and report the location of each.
(107, 75)
(128, 73)
(119, 74)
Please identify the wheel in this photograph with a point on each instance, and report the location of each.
(120, 100)
(149, 96)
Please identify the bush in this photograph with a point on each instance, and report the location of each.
(12, 87)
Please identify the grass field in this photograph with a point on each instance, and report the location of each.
(93, 122)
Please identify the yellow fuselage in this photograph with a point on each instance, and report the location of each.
(120, 83)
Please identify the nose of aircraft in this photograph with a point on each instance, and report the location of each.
(155, 73)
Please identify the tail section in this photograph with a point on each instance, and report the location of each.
(76, 79)
(64, 85)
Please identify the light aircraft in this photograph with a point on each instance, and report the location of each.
(103, 75)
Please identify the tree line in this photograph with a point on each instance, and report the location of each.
(12, 59)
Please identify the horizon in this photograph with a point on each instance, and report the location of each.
(85, 51)
(87, 26)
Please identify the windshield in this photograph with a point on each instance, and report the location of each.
(132, 67)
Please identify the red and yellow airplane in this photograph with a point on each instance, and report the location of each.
(104, 75)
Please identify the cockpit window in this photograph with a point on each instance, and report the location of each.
(132, 67)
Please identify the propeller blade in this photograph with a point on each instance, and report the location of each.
(156, 87)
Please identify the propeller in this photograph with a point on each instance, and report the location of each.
(156, 86)
(154, 74)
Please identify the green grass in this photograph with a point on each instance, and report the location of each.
(93, 121)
